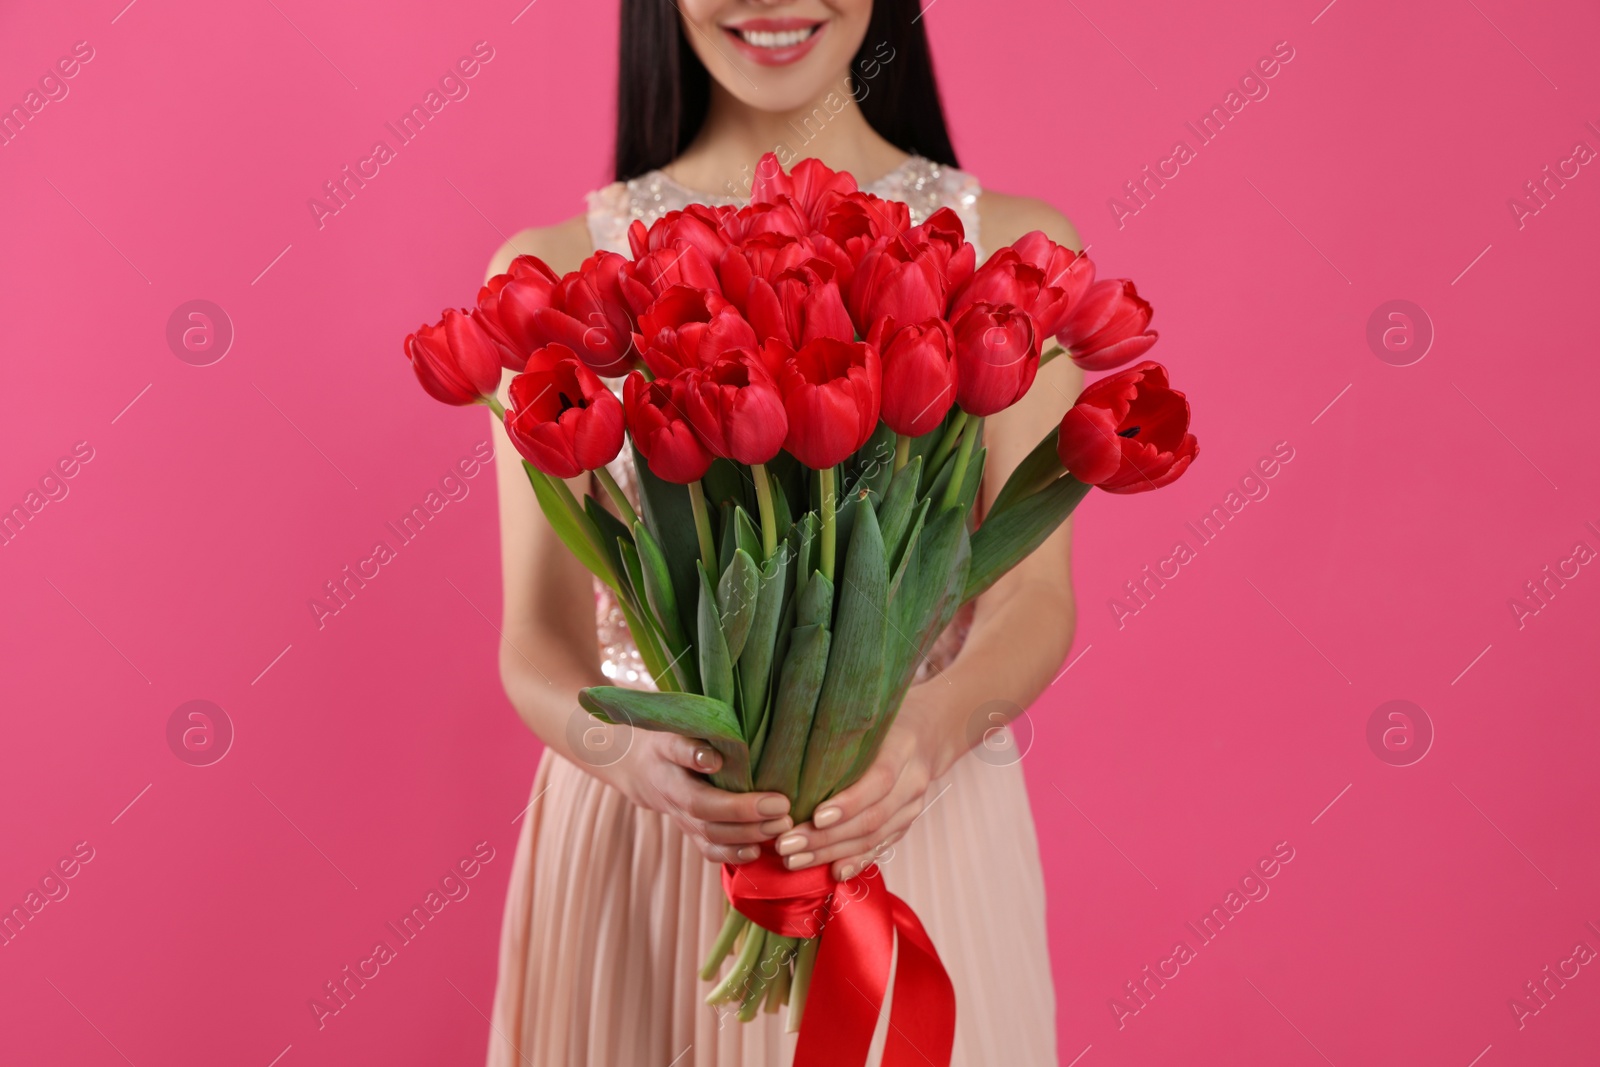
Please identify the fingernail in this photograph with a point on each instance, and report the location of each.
(792, 843)
(801, 859)
(777, 826)
(748, 853)
(826, 817)
(847, 872)
(705, 758)
(773, 805)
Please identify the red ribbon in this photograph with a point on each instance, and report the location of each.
(852, 971)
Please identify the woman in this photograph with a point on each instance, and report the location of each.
(615, 896)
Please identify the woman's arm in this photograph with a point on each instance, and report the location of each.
(549, 649)
(1021, 628)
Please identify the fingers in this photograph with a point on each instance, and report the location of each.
(710, 804)
(707, 803)
(693, 754)
(734, 854)
(726, 827)
(852, 821)
(883, 832)
(854, 865)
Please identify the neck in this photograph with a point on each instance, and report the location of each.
(722, 158)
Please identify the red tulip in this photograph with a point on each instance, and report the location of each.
(689, 328)
(858, 222)
(766, 257)
(736, 408)
(562, 418)
(683, 265)
(997, 355)
(812, 186)
(943, 239)
(595, 312)
(832, 390)
(919, 376)
(1063, 269)
(757, 220)
(455, 360)
(887, 284)
(1128, 432)
(799, 306)
(1006, 279)
(1109, 327)
(699, 225)
(658, 421)
(506, 307)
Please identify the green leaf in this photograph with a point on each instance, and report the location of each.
(784, 751)
(572, 527)
(1004, 540)
(756, 655)
(974, 478)
(803, 544)
(872, 464)
(795, 479)
(851, 698)
(663, 603)
(816, 603)
(1037, 470)
(648, 641)
(716, 667)
(724, 483)
(738, 594)
(949, 561)
(686, 714)
(670, 520)
(745, 535)
(609, 529)
(939, 550)
(900, 562)
(899, 503)
(727, 541)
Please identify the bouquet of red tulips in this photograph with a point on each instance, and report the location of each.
(804, 387)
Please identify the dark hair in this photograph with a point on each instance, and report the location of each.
(664, 91)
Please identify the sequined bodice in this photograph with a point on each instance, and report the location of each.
(923, 185)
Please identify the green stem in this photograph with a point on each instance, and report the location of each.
(618, 497)
(702, 527)
(769, 516)
(494, 406)
(733, 986)
(803, 964)
(825, 477)
(969, 437)
(778, 989)
(731, 927)
(947, 443)
(1054, 351)
(774, 959)
(902, 451)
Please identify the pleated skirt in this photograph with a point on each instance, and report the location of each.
(611, 911)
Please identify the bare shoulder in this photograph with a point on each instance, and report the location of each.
(564, 246)
(1005, 218)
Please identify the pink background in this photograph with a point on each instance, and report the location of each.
(1228, 715)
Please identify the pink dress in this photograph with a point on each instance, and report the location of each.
(612, 909)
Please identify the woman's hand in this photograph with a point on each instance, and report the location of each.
(851, 829)
(662, 772)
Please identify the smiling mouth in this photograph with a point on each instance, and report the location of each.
(774, 39)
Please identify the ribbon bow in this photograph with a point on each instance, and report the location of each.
(853, 962)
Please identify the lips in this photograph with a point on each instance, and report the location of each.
(775, 42)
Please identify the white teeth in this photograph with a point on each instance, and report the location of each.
(765, 39)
